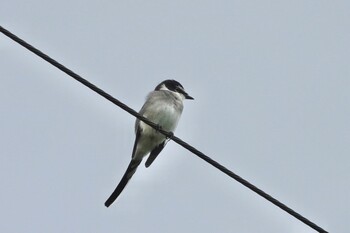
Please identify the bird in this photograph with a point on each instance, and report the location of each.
(163, 106)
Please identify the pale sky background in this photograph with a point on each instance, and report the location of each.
(271, 86)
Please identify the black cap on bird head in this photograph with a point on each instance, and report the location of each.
(173, 85)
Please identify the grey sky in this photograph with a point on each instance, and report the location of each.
(271, 86)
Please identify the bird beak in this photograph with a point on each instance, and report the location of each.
(187, 96)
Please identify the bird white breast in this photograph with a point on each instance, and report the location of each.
(166, 108)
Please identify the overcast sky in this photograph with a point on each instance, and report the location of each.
(271, 86)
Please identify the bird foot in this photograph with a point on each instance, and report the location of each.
(171, 135)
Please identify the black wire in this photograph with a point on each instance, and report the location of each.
(167, 134)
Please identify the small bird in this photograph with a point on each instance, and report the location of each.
(163, 107)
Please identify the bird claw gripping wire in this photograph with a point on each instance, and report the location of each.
(171, 135)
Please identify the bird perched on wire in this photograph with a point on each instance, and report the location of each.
(163, 107)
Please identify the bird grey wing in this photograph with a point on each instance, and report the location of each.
(143, 112)
(123, 182)
(138, 133)
(154, 153)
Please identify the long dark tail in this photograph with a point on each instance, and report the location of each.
(126, 177)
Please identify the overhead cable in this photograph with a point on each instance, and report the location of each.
(170, 135)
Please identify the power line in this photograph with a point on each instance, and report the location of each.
(167, 134)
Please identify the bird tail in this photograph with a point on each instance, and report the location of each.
(126, 177)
